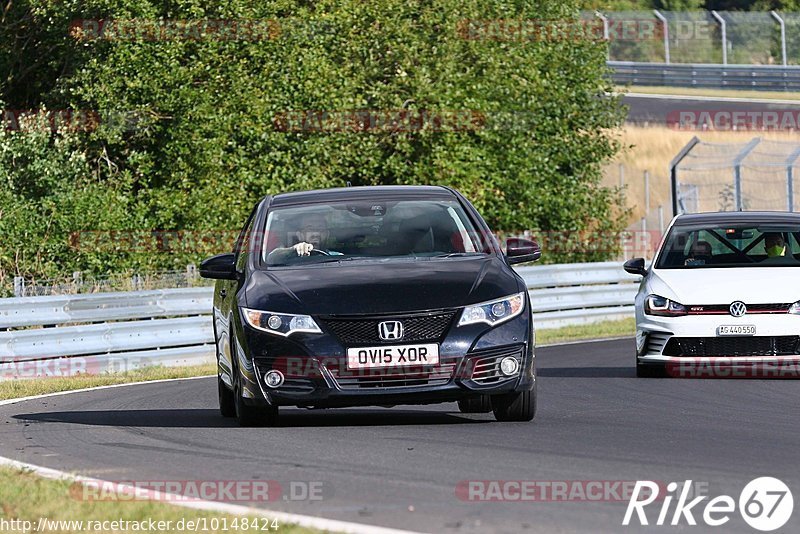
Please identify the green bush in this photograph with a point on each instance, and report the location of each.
(201, 144)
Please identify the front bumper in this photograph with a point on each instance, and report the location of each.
(677, 340)
(316, 375)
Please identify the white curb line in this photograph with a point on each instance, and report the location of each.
(333, 525)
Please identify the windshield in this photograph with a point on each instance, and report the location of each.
(744, 245)
(369, 230)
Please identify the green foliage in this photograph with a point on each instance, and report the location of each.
(201, 146)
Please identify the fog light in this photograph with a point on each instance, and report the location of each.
(274, 379)
(509, 366)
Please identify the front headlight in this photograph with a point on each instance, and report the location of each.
(664, 307)
(493, 312)
(795, 309)
(280, 324)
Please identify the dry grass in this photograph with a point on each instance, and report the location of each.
(652, 149)
(694, 91)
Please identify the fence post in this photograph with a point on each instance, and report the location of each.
(191, 273)
(661, 218)
(605, 32)
(790, 161)
(647, 192)
(677, 207)
(723, 30)
(783, 34)
(737, 172)
(621, 176)
(663, 20)
(19, 286)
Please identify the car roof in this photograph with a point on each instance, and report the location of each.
(737, 217)
(363, 193)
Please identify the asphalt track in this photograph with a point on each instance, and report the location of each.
(400, 467)
(653, 110)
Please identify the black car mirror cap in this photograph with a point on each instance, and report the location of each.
(519, 250)
(635, 266)
(219, 267)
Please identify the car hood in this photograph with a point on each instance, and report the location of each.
(381, 287)
(751, 285)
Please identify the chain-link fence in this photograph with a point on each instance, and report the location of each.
(714, 37)
(755, 175)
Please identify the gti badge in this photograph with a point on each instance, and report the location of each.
(390, 330)
(738, 309)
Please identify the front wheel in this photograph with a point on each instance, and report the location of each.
(247, 415)
(514, 406)
(227, 404)
(650, 370)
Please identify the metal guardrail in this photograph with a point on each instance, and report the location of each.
(106, 332)
(716, 76)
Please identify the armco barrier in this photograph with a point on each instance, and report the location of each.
(125, 330)
(714, 76)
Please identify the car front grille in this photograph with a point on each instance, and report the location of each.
(393, 377)
(355, 331)
(733, 346)
(724, 309)
(484, 367)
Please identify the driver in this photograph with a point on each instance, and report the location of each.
(311, 234)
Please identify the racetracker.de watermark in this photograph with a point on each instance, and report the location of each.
(553, 490)
(785, 120)
(201, 490)
(175, 29)
(733, 368)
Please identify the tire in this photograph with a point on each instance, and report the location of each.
(514, 406)
(482, 404)
(650, 371)
(227, 404)
(247, 415)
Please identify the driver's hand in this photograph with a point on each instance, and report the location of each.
(303, 249)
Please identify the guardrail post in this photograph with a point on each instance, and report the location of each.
(19, 286)
(783, 34)
(663, 20)
(724, 31)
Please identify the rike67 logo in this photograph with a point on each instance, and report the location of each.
(765, 504)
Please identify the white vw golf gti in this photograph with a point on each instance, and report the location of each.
(723, 287)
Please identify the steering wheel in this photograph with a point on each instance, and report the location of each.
(320, 252)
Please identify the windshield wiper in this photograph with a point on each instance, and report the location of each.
(456, 254)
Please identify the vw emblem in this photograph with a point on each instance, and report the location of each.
(390, 330)
(738, 309)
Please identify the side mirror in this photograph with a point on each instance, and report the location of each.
(520, 250)
(219, 267)
(635, 266)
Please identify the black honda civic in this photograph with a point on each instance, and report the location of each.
(375, 296)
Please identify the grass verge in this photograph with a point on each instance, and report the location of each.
(12, 389)
(693, 91)
(605, 329)
(28, 497)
